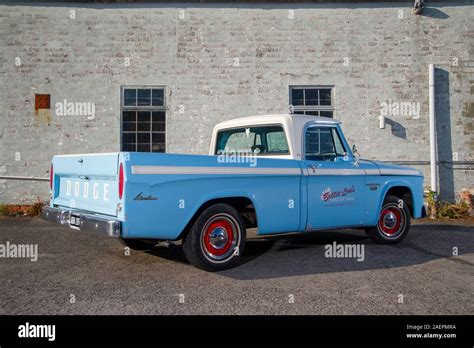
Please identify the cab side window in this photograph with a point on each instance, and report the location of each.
(323, 144)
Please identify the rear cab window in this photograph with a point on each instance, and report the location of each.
(253, 140)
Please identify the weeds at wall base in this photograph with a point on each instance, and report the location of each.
(18, 210)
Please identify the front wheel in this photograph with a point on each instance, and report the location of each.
(216, 240)
(393, 222)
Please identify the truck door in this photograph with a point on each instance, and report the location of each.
(335, 181)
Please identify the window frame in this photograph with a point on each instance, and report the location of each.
(137, 108)
(318, 108)
(330, 127)
(252, 126)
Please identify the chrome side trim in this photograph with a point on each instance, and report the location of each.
(372, 171)
(169, 170)
(400, 172)
(322, 171)
(146, 170)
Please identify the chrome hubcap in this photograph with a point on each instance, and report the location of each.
(390, 220)
(218, 238)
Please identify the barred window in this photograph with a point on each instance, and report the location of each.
(312, 100)
(143, 119)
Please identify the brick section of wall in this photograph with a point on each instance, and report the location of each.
(224, 61)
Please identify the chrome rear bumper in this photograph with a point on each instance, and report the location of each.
(105, 225)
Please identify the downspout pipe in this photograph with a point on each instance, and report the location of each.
(433, 145)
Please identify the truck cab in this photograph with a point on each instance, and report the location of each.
(270, 131)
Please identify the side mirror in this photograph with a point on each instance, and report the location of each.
(356, 155)
(354, 149)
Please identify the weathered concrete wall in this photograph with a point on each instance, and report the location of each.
(224, 61)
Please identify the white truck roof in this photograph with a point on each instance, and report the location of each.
(292, 123)
(275, 118)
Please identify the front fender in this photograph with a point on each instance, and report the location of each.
(412, 184)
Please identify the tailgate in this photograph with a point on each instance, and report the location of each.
(87, 182)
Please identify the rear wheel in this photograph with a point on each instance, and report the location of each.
(216, 240)
(393, 222)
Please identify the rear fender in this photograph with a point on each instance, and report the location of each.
(194, 212)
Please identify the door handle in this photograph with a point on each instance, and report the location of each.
(314, 165)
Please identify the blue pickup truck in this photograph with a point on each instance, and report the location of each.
(277, 173)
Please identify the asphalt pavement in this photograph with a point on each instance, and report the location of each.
(78, 272)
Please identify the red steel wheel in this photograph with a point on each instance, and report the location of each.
(218, 237)
(391, 220)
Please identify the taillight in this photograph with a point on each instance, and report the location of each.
(51, 177)
(120, 181)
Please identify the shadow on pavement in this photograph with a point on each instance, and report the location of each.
(305, 253)
(302, 254)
